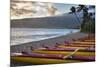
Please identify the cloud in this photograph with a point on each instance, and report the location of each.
(34, 9)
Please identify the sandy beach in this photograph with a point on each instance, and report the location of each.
(47, 42)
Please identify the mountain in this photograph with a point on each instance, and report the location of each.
(59, 21)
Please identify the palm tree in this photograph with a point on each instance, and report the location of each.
(73, 10)
(87, 20)
(85, 12)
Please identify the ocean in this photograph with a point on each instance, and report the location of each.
(24, 35)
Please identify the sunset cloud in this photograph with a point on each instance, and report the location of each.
(34, 9)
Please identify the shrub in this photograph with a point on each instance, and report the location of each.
(88, 27)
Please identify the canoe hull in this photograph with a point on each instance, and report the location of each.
(85, 43)
(64, 52)
(41, 60)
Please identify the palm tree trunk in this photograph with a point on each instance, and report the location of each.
(77, 18)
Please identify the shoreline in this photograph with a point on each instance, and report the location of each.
(46, 36)
(49, 42)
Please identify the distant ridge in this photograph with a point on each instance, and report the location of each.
(61, 21)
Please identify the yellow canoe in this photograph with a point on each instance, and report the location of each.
(89, 40)
(64, 52)
(41, 60)
(85, 43)
(75, 45)
(64, 46)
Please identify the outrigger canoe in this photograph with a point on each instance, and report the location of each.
(39, 61)
(77, 45)
(34, 58)
(64, 52)
(84, 40)
(85, 49)
(85, 43)
(88, 40)
(38, 55)
(59, 56)
(68, 48)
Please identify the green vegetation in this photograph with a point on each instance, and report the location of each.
(88, 23)
(89, 27)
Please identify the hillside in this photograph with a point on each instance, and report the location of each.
(60, 21)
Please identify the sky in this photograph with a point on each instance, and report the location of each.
(42, 9)
(39, 7)
(63, 8)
